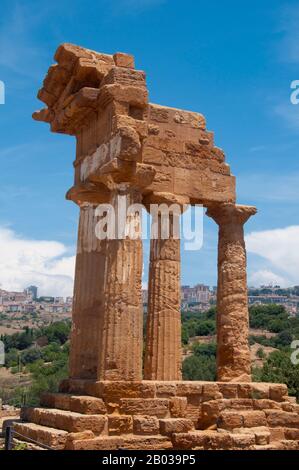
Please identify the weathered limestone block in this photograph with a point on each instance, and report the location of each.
(228, 390)
(230, 420)
(169, 426)
(66, 420)
(259, 390)
(189, 388)
(277, 434)
(254, 390)
(115, 390)
(211, 392)
(278, 392)
(219, 440)
(238, 403)
(242, 441)
(153, 407)
(165, 389)
(277, 418)
(264, 404)
(286, 406)
(210, 412)
(289, 445)
(205, 439)
(54, 438)
(260, 433)
(193, 409)
(190, 440)
(253, 419)
(124, 60)
(147, 442)
(233, 354)
(79, 404)
(55, 400)
(118, 425)
(74, 437)
(147, 425)
(87, 405)
(262, 437)
(97, 443)
(178, 407)
(292, 434)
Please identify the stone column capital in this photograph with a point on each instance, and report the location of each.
(228, 214)
(126, 189)
(88, 193)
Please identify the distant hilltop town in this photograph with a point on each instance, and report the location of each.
(201, 297)
(25, 309)
(29, 302)
(197, 298)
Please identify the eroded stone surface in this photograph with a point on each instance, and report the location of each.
(197, 420)
(233, 354)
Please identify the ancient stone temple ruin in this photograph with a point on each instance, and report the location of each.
(148, 154)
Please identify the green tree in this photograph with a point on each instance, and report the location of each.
(199, 368)
(278, 368)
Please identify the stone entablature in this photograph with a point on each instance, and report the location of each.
(103, 101)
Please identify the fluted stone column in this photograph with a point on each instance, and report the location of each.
(233, 353)
(120, 356)
(88, 300)
(163, 356)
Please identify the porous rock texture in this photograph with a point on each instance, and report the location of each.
(154, 415)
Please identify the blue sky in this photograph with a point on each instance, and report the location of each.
(233, 64)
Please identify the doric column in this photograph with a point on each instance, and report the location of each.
(88, 298)
(120, 357)
(233, 353)
(163, 354)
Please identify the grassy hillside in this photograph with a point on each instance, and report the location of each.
(271, 335)
(37, 360)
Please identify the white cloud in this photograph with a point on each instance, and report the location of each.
(265, 277)
(280, 249)
(44, 263)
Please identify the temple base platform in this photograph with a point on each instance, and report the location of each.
(154, 415)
